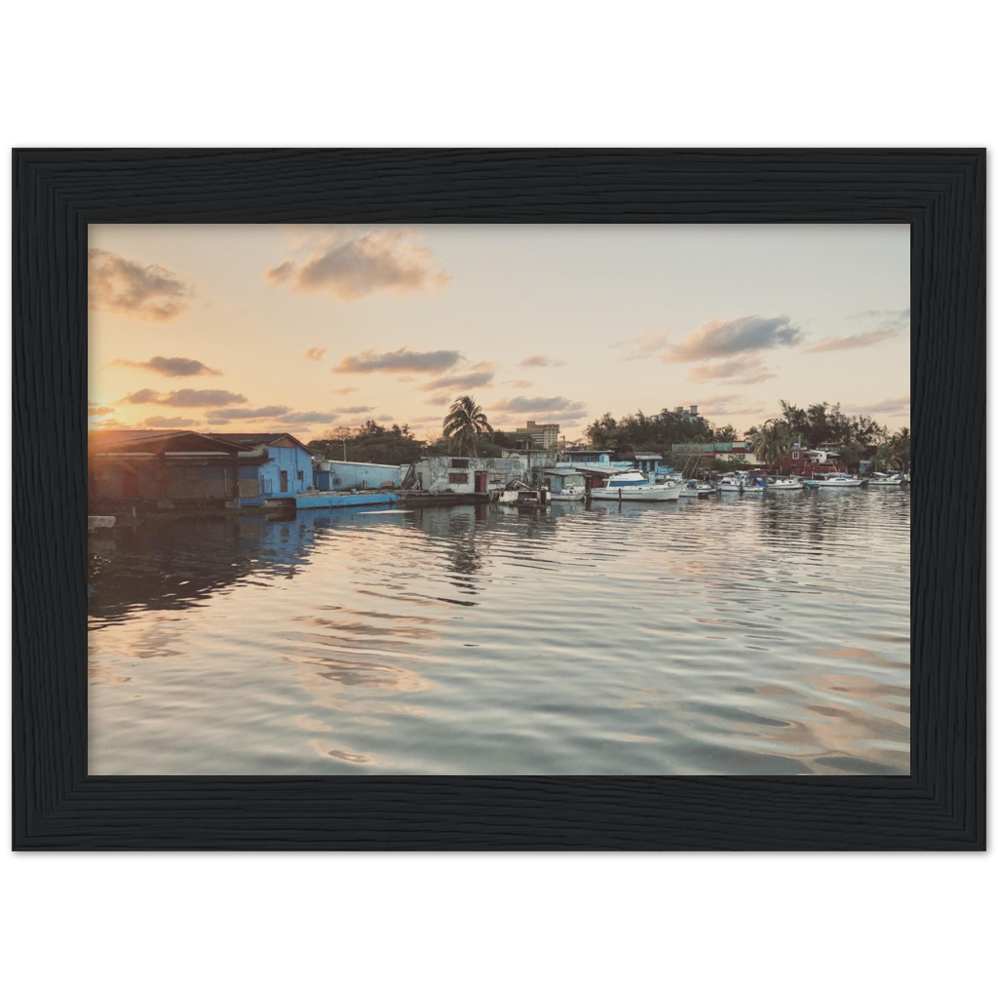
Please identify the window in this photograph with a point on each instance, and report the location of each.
(458, 477)
(460, 463)
(300, 475)
(795, 456)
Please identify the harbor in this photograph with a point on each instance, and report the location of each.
(526, 500)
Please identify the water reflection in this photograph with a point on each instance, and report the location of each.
(752, 635)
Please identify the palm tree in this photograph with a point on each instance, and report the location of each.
(466, 422)
(772, 441)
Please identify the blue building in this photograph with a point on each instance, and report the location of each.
(282, 464)
(335, 475)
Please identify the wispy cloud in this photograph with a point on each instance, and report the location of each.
(893, 405)
(93, 410)
(544, 409)
(403, 360)
(309, 417)
(520, 383)
(345, 391)
(315, 353)
(169, 422)
(724, 338)
(477, 376)
(540, 361)
(355, 409)
(638, 348)
(142, 291)
(739, 370)
(185, 397)
(247, 413)
(889, 325)
(350, 263)
(170, 367)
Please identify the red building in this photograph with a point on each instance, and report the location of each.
(808, 461)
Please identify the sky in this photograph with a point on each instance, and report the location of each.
(313, 328)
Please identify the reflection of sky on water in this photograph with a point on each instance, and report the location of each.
(759, 635)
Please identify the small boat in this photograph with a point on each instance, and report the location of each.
(834, 480)
(569, 493)
(694, 489)
(787, 483)
(730, 484)
(886, 479)
(742, 483)
(631, 484)
(520, 495)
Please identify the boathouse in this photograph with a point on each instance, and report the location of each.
(557, 479)
(284, 465)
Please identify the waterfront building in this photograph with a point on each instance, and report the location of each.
(557, 479)
(543, 436)
(800, 461)
(442, 473)
(648, 462)
(170, 468)
(588, 456)
(336, 475)
(707, 451)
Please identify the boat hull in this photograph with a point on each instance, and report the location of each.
(642, 494)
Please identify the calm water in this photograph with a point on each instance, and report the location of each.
(721, 636)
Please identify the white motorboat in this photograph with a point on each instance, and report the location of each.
(730, 484)
(834, 480)
(886, 479)
(631, 484)
(742, 483)
(569, 493)
(693, 489)
(785, 484)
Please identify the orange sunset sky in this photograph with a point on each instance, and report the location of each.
(306, 328)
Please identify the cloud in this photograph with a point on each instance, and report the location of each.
(93, 410)
(344, 392)
(642, 347)
(540, 361)
(403, 360)
(739, 370)
(544, 409)
(895, 404)
(848, 343)
(478, 376)
(890, 325)
(169, 422)
(142, 396)
(384, 418)
(349, 264)
(723, 338)
(442, 400)
(315, 353)
(309, 417)
(171, 367)
(185, 397)
(247, 413)
(355, 409)
(142, 291)
(712, 401)
(520, 383)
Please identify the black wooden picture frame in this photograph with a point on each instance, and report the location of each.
(940, 194)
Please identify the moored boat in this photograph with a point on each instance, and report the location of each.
(886, 479)
(631, 484)
(834, 480)
(569, 493)
(786, 483)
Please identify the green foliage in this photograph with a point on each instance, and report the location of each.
(465, 424)
(371, 442)
(772, 441)
(657, 433)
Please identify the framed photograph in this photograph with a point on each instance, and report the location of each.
(520, 499)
